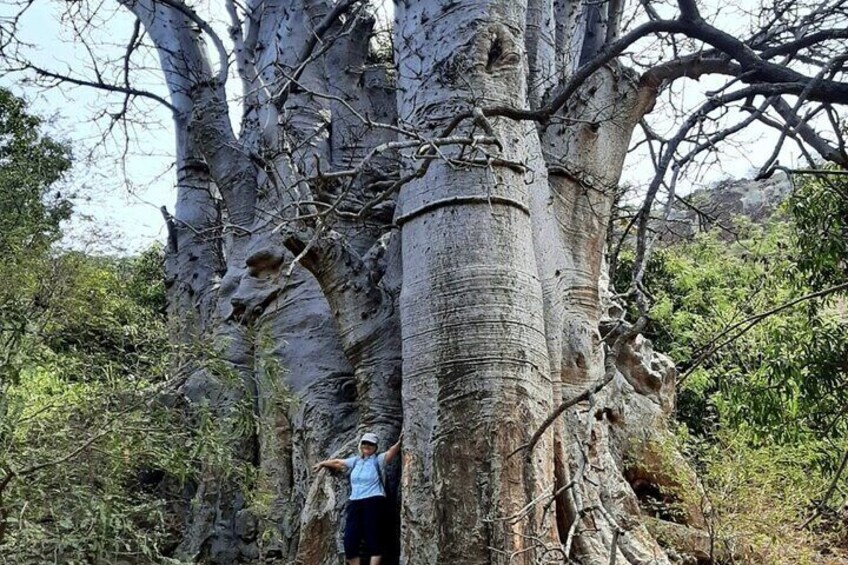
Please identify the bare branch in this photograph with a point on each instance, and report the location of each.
(100, 85)
(689, 10)
(244, 63)
(314, 38)
(792, 47)
(808, 134)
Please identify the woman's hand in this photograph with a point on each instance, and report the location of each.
(394, 450)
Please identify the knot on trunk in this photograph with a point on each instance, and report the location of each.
(499, 48)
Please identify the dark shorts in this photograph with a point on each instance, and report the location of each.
(365, 522)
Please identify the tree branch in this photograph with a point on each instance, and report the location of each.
(314, 38)
(223, 56)
(793, 47)
(100, 86)
(762, 70)
(692, 66)
(689, 10)
(808, 134)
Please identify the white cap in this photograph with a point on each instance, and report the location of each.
(369, 438)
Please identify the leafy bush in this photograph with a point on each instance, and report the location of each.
(91, 458)
(781, 376)
(760, 495)
(819, 207)
(95, 459)
(758, 330)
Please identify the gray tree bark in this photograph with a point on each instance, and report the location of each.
(472, 314)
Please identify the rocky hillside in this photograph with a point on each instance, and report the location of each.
(717, 206)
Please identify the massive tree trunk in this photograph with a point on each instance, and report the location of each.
(472, 315)
(466, 319)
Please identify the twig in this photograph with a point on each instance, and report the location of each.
(585, 395)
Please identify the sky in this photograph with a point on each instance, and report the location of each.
(121, 186)
(117, 207)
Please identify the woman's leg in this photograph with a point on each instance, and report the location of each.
(374, 528)
(353, 531)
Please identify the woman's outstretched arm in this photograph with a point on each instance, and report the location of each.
(334, 464)
(394, 450)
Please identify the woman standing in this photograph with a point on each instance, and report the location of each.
(366, 507)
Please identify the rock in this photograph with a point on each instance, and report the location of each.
(246, 525)
(718, 205)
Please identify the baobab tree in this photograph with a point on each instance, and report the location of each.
(414, 230)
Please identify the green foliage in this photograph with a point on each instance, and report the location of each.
(30, 164)
(758, 495)
(30, 218)
(105, 454)
(819, 206)
(106, 316)
(764, 386)
(782, 377)
(91, 505)
(91, 451)
(84, 420)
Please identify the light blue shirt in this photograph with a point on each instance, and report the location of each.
(365, 476)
